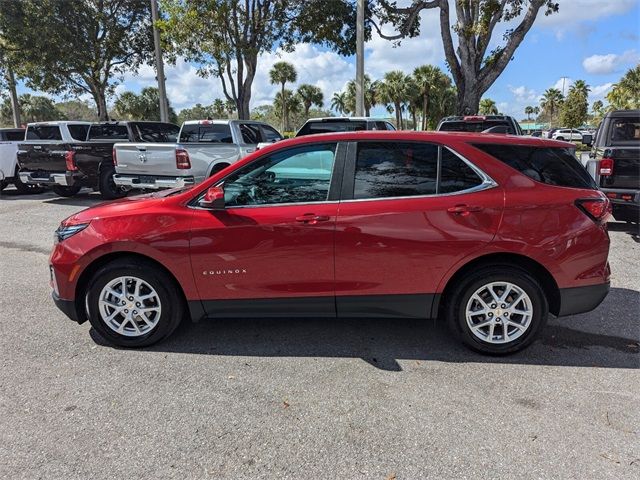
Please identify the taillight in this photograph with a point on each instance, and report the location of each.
(114, 158)
(182, 159)
(70, 160)
(606, 167)
(598, 209)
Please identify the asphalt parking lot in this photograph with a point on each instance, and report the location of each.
(292, 398)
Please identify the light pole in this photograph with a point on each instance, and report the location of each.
(360, 59)
(162, 91)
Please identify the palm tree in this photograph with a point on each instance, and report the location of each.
(310, 95)
(625, 95)
(488, 107)
(536, 111)
(291, 103)
(218, 108)
(370, 95)
(427, 79)
(580, 87)
(339, 102)
(230, 107)
(551, 101)
(393, 90)
(281, 73)
(528, 111)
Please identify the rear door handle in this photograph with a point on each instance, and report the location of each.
(312, 218)
(464, 210)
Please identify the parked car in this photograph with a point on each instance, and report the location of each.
(9, 139)
(205, 147)
(342, 124)
(568, 134)
(614, 162)
(72, 155)
(480, 123)
(490, 232)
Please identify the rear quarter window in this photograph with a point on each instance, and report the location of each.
(78, 132)
(549, 165)
(43, 132)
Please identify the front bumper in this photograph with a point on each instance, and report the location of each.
(69, 308)
(66, 179)
(581, 299)
(149, 182)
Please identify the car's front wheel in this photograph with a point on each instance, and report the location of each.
(133, 303)
(498, 310)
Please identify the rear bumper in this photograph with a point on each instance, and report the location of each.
(66, 179)
(151, 182)
(68, 307)
(581, 299)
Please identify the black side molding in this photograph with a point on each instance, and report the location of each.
(69, 308)
(581, 299)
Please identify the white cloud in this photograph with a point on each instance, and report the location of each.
(523, 94)
(610, 63)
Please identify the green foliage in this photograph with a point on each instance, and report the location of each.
(575, 108)
(488, 107)
(271, 114)
(394, 91)
(625, 95)
(77, 46)
(310, 95)
(280, 74)
(550, 104)
(201, 112)
(339, 102)
(370, 95)
(143, 106)
(33, 108)
(77, 110)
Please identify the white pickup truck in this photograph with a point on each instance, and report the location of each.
(9, 139)
(204, 147)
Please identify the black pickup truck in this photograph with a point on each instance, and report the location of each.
(614, 162)
(71, 155)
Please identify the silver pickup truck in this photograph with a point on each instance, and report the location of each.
(204, 147)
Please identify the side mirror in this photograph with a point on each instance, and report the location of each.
(213, 199)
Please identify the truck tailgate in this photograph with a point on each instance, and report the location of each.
(146, 159)
(34, 157)
(626, 169)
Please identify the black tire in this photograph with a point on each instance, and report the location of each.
(3, 185)
(172, 304)
(63, 191)
(217, 168)
(108, 188)
(26, 188)
(560, 138)
(461, 294)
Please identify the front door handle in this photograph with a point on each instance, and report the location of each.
(463, 209)
(312, 218)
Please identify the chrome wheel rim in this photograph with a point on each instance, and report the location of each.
(499, 312)
(129, 306)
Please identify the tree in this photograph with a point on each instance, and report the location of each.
(339, 102)
(487, 107)
(218, 108)
(575, 108)
(291, 104)
(199, 112)
(33, 108)
(393, 91)
(78, 46)
(143, 106)
(428, 80)
(528, 111)
(473, 68)
(280, 74)
(77, 110)
(226, 37)
(551, 102)
(625, 95)
(230, 108)
(370, 95)
(310, 95)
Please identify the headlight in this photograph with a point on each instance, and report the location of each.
(65, 231)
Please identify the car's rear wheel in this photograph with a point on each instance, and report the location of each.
(64, 191)
(25, 188)
(108, 188)
(133, 303)
(498, 310)
(559, 138)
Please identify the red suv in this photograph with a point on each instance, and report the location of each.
(490, 232)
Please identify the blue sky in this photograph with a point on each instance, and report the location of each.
(593, 40)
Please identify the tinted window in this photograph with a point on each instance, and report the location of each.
(380, 125)
(78, 132)
(270, 134)
(211, 133)
(455, 174)
(625, 130)
(155, 132)
(43, 132)
(297, 175)
(332, 126)
(14, 136)
(550, 165)
(387, 169)
(250, 133)
(462, 126)
(108, 132)
(390, 127)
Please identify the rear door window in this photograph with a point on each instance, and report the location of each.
(14, 136)
(78, 132)
(270, 134)
(108, 132)
(43, 132)
(206, 133)
(550, 165)
(153, 132)
(250, 133)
